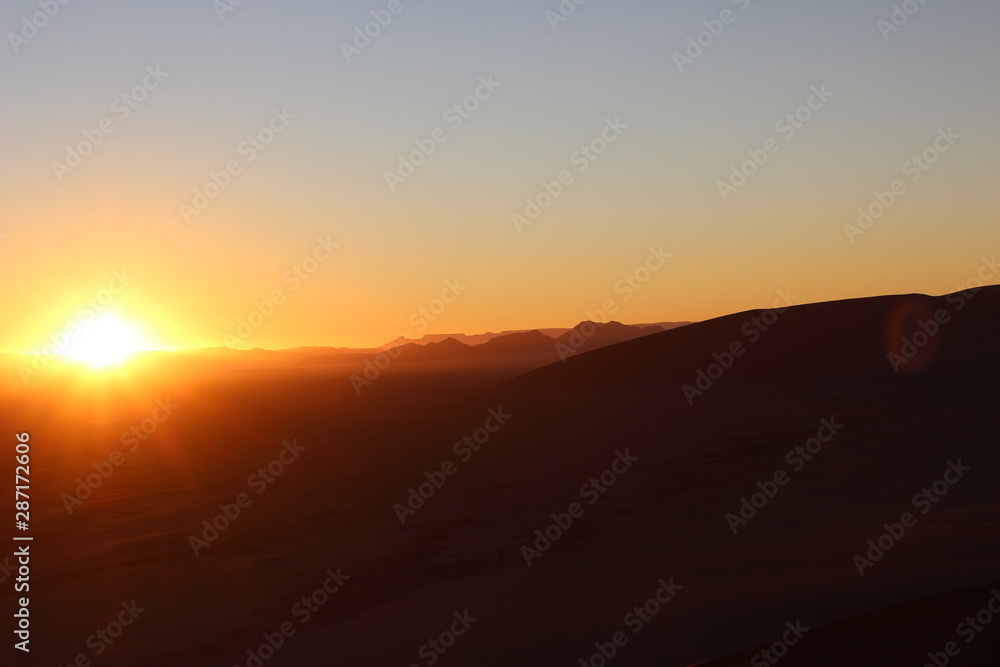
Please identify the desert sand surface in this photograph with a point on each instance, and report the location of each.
(679, 467)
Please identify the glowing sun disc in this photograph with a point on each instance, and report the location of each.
(104, 341)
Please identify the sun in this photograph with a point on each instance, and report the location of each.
(104, 341)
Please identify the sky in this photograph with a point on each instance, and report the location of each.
(185, 165)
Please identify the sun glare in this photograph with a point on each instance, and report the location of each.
(104, 341)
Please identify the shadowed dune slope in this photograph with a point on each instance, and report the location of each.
(887, 636)
(835, 340)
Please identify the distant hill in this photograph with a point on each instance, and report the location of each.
(518, 342)
(535, 347)
(588, 335)
(479, 339)
(499, 357)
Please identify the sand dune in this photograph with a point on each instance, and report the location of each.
(663, 519)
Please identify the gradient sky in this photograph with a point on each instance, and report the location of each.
(324, 174)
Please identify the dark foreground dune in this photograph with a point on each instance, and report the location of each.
(656, 526)
(895, 635)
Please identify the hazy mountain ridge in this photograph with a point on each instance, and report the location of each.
(478, 339)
